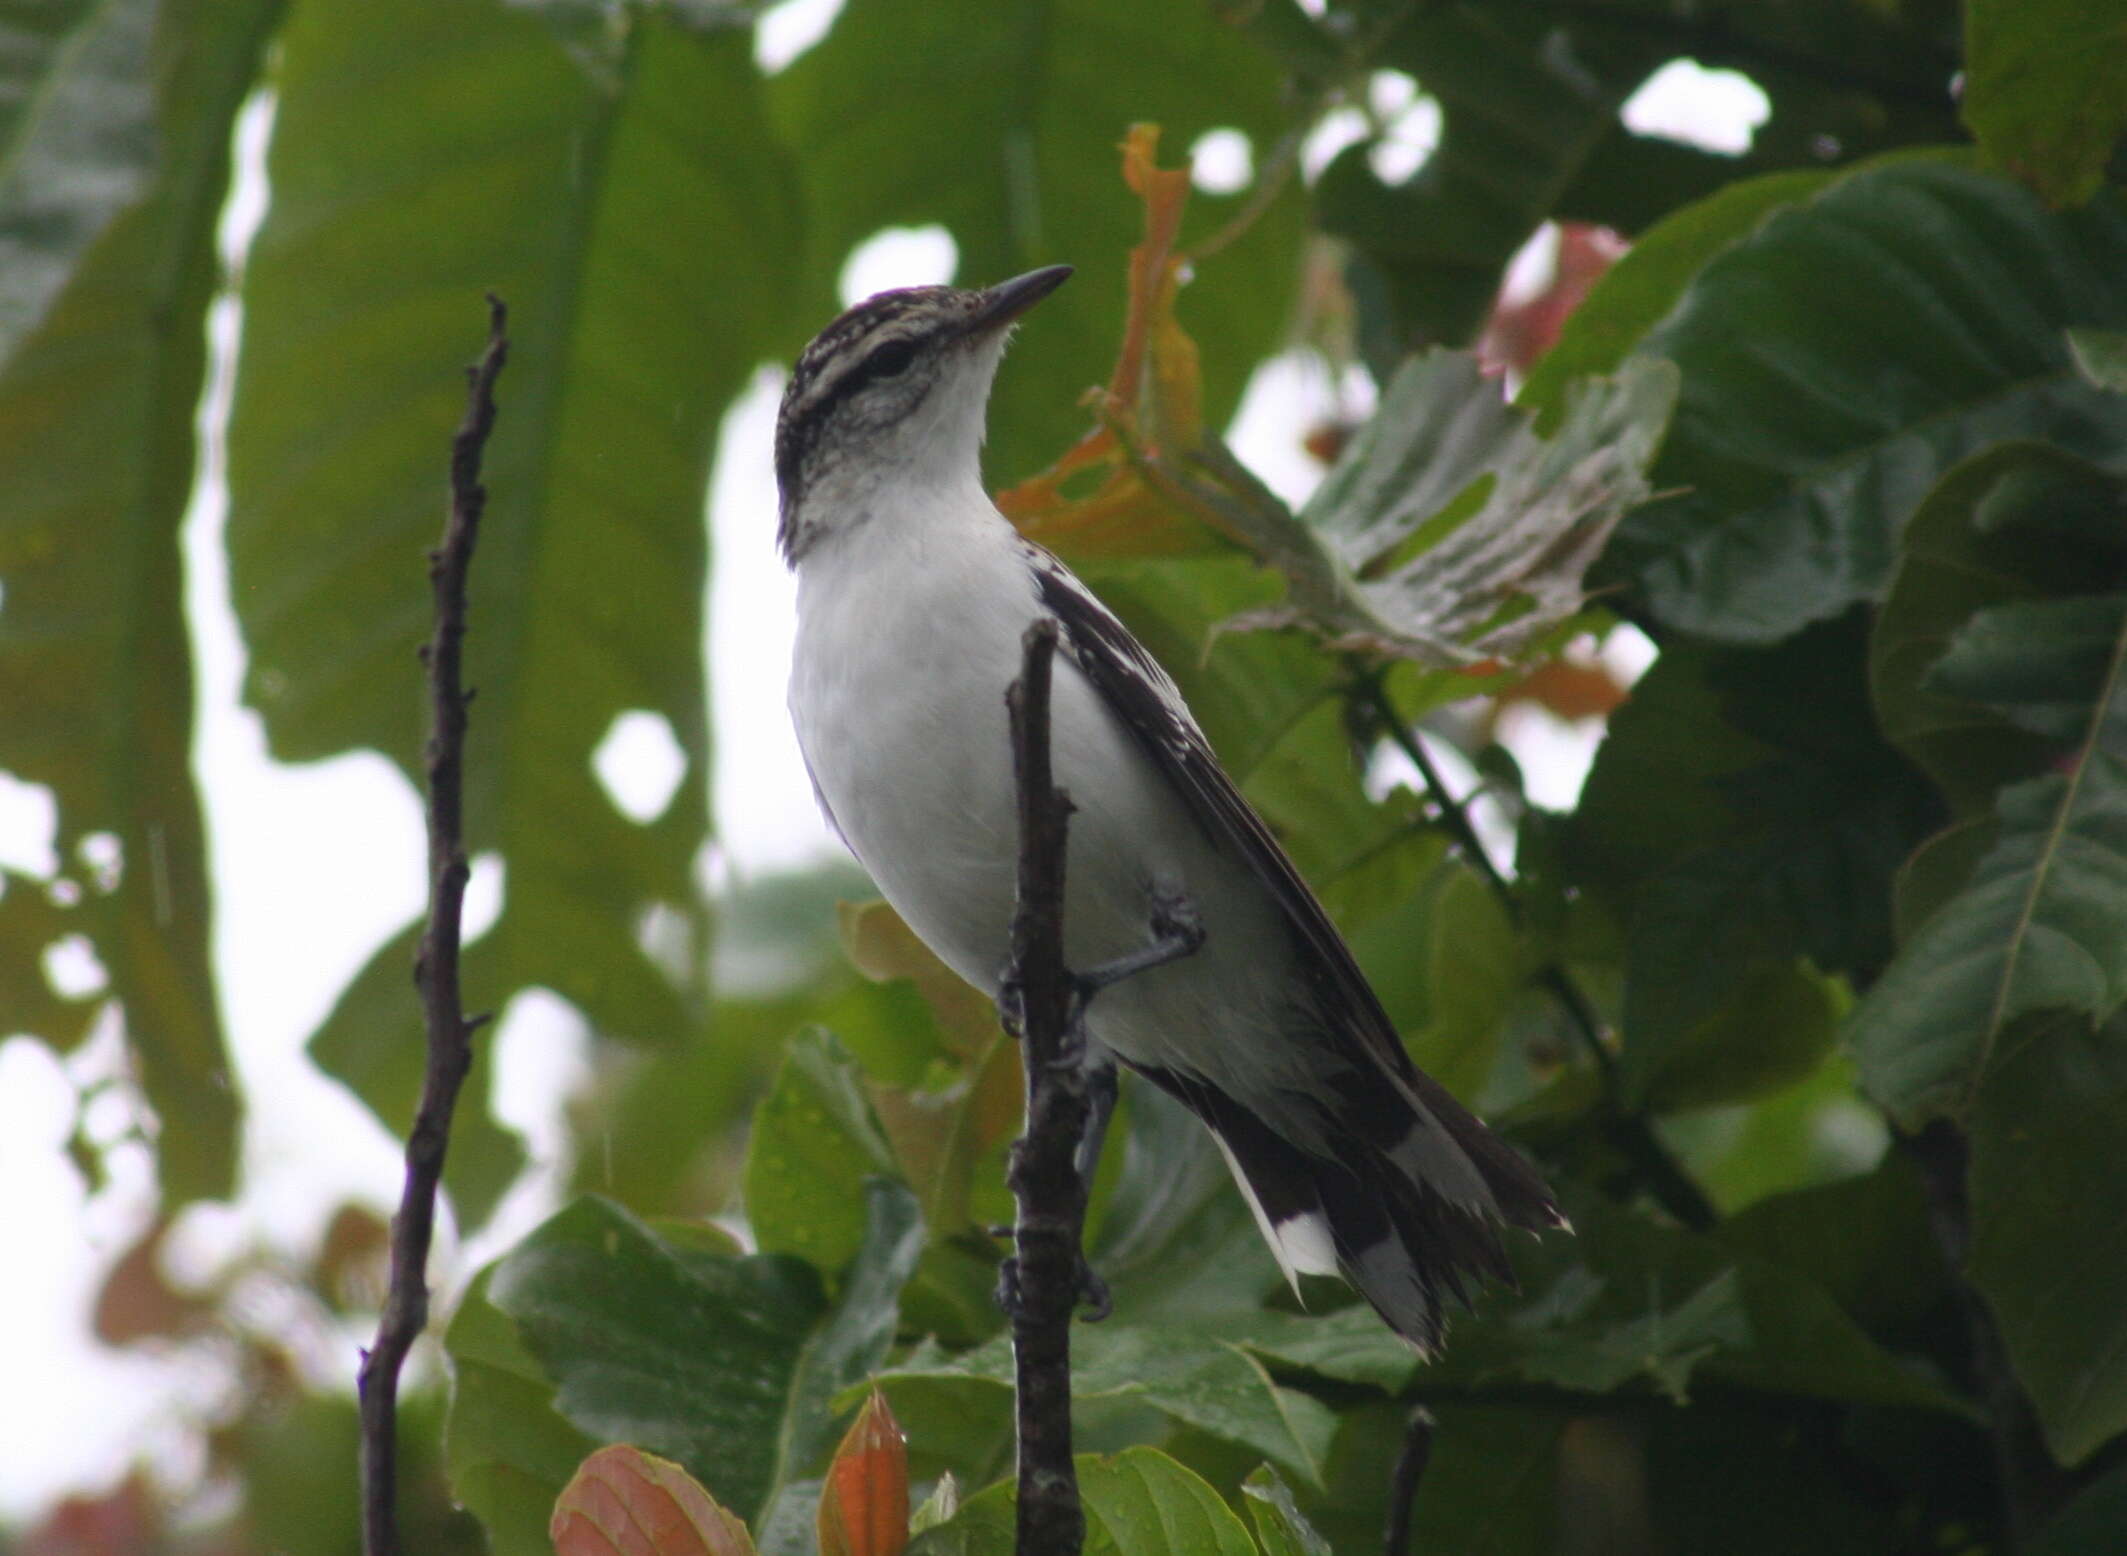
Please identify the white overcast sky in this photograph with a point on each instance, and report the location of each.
(315, 865)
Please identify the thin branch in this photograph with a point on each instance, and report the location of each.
(1629, 1133)
(1042, 1281)
(1403, 1483)
(2029, 1485)
(450, 1032)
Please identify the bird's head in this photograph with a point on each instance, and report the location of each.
(892, 393)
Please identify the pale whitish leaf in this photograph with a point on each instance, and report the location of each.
(77, 141)
(1451, 530)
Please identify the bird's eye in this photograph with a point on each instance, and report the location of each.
(890, 359)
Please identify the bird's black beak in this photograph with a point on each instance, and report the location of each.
(1007, 300)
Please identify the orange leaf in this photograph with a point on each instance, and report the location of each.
(624, 1502)
(864, 1505)
(1096, 501)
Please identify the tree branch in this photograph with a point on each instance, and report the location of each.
(1041, 1282)
(1630, 1135)
(450, 1032)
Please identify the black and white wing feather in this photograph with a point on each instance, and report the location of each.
(1393, 1197)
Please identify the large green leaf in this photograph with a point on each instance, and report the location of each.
(1837, 361)
(1744, 818)
(1002, 125)
(2046, 88)
(813, 1142)
(81, 129)
(2041, 925)
(423, 154)
(1191, 1376)
(725, 1364)
(1632, 1302)
(96, 459)
(1138, 1503)
(1645, 283)
(506, 1449)
(2049, 1224)
(2020, 522)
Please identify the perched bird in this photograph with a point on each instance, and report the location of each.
(914, 594)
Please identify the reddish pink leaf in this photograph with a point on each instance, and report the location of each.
(624, 1502)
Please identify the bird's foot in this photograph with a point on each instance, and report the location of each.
(1177, 932)
(1092, 1293)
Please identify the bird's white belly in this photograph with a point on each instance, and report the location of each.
(906, 733)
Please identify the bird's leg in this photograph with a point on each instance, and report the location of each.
(1177, 931)
(1099, 1069)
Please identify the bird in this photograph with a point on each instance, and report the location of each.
(914, 594)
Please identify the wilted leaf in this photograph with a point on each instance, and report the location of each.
(1451, 531)
(864, 1504)
(1103, 499)
(624, 1502)
(1005, 135)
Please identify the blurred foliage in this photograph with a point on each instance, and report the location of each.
(1811, 1005)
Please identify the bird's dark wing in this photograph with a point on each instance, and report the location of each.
(1150, 706)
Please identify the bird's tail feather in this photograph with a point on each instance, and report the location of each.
(1372, 1211)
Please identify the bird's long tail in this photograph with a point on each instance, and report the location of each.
(1407, 1206)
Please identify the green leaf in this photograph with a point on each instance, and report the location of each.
(2101, 357)
(485, 1156)
(814, 1141)
(2041, 925)
(1141, 1501)
(1526, 97)
(1192, 1377)
(508, 1452)
(80, 134)
(1646, 282)
(579, 189)
(2090, 1525)
(1281, 1527)
(2020, 522)
(2049, 1223)
(1175, 1241)
(1836, 361)
(112, 177)
(1003, 127)
(2046, 89)
(1743, 819)
(1138, 1503)
(1630, 1301)
(1450, 531)
(725, 1364)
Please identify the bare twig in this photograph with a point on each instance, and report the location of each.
(450, 1032)
(1403, 1483)
(1042, 1281)
(1630, 1135)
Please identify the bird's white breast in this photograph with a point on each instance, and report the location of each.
(908, 635)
